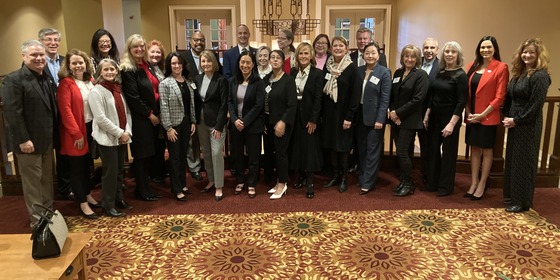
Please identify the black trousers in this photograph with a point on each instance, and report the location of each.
(113, 168)
(63, 185)
(240, 142)
(80, 167)
(443, 154)
(141, 169)
(178, 157)
(280, 151)
(403, 141)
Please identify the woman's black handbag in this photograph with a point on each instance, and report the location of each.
(49, 235)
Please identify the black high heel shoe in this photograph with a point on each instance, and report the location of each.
(473, 197)
(334, 181)
(90, 216)
(408, 188)
(309, 192)
(208, 189)
(343, 185)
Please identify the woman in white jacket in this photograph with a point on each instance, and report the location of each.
(112, 131)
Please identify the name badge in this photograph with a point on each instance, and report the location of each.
(374, 80)
(268, 89)
(328, 76)
(396, 80)
(193, 85)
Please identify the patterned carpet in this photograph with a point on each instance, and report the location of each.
(408, 244)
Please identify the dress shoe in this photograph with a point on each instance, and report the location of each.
(399, 187)
(146, 198)
(90, 216)
(473, 197)
(278, 196)
(309, 193)
(362, 191)
(299, 182)
(186, 191)
(123, 205)
(114, 213)
(272, 190)
(468, 195)
(96, 205)
(218, 197)
(444, 193)
(207, 189)
(182, 198)
(238, 189)
(343, 185)
(516, 209)
(252, 192)
(334, 181)
(196, 175)
(408, 188)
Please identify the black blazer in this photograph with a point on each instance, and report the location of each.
(191, 65)
(310, 104)
(282, 99)
(29, 113)
(214, 104)
(139, 95)
(432, 76)
(407, 95)
(230, 60)
(253, 106)
(381, 61)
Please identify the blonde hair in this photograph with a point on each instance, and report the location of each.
(127, 61)
(311, 51)
(99, 78)
(415, 51)
(210, 56)
(519, 67)
(460, 58)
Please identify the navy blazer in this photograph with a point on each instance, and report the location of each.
(214, 104)
(311, 101)
(28, 112)
(230, 60)
(407, 96)
(253, 106)
(376, 97)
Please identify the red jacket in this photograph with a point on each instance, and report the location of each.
(72, 123)
(491, 90)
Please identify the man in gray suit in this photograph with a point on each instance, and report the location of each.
(31, 116)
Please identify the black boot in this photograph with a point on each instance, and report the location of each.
(310, 193)
(343, 185)
(399, 187)
(334, 181)
(408, 188)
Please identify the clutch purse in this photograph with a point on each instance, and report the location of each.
(49, 235)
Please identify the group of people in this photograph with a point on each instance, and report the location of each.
(311, 106)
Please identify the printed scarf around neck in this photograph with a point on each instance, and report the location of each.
(331, 86)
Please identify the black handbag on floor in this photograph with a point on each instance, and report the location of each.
(49, 235)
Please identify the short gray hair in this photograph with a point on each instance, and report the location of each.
(48, 31)
(454, 45)
(97, 74)
(30, 43)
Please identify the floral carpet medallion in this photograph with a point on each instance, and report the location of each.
(407, 244)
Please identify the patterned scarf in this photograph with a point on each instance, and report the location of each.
(331, 86)
(115, 89)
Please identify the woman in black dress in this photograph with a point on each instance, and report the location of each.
(526, 93)
(280, 112)
(306, 155)
(443, 119)
(488, 79)
(246, 103)
(410, 85)
(340, 104)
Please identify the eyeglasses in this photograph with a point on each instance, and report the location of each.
(48, 40)
(321, 43)
(103, 42)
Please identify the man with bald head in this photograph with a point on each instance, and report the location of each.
(231, 55)
(31, 116)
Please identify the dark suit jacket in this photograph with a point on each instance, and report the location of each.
(28, 112)
(407, 95)
(253, 106)
(230, 60)
(432, 76)
(310, 104)
(282, 100)
(191, 65)
(139, 95)
(214, 104)
(376, 96)
(382, 58)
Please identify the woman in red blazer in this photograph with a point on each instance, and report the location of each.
(488, 78)
(75, 125)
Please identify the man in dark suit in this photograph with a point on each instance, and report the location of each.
(430, 64)
(31, 116)
(50, 38)
(231, 55)
(364, 36)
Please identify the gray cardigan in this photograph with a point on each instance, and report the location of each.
(105, 117)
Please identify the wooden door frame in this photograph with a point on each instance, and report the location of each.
(173, 19)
